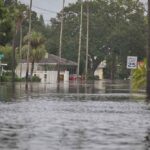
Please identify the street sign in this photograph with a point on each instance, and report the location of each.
(1, 56)
(131, 62)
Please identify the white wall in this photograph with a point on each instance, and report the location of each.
(51, 76)
(23, 70)
(99, 72)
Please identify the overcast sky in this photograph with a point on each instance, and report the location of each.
(49, 8)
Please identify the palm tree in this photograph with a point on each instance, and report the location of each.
(139, 77)
(19, 15)
(37, 51)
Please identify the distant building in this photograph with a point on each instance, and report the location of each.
(47, 68)
(100, 70)
(2, 68)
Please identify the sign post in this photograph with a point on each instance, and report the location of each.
(131, 64)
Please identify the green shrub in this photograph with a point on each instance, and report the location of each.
(139, 77)
(35, 79)
(7, 77)
(92, 77)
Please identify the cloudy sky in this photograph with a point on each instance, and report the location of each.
(49, 8)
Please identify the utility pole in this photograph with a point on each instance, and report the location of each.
(20, 52)
(60, 39)
(29, 42)
(87, 41)
(14, 55)
(80, 39)
(148, 55)
(61, 30)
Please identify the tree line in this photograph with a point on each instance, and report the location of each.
(117, 29)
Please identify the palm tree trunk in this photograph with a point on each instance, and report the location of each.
(32, 68)
(13, 57)
(29, 42)
(14, 50)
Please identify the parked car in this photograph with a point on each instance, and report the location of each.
(73, 77)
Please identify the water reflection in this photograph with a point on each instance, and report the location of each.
(107, 89)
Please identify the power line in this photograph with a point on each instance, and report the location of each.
(46, 10)
(43, 13)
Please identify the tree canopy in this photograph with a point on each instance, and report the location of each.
(37, 50)
(117, 29)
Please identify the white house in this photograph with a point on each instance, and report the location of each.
(2, 68)
(100, 70)
(47, 68)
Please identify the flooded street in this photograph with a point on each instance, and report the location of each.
(94, 116)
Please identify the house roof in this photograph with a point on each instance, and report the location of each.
(102, 65)
(54, 60)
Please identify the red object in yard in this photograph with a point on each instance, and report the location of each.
(73, 77)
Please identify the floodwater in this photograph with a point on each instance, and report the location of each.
(102, 115)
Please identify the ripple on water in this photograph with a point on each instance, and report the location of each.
(54, 123)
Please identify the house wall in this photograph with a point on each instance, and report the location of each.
(51, 76)
(45, 76)
(21, 69)
(66, 76)
(99, 73)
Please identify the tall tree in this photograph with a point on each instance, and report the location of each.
(37, 51)
(5, 24)
(148, 55)
(19, 17)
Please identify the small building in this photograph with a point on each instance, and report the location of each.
(100, 70)
(47, 68)
(2, 68)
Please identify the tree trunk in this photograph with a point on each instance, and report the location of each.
(29, 41)
(13, 60)
(32, 68)
(80, 39)
(17, 27)
(14, 55)
(87, 41)
(148, 55)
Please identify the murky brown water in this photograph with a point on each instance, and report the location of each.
(99, 116)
